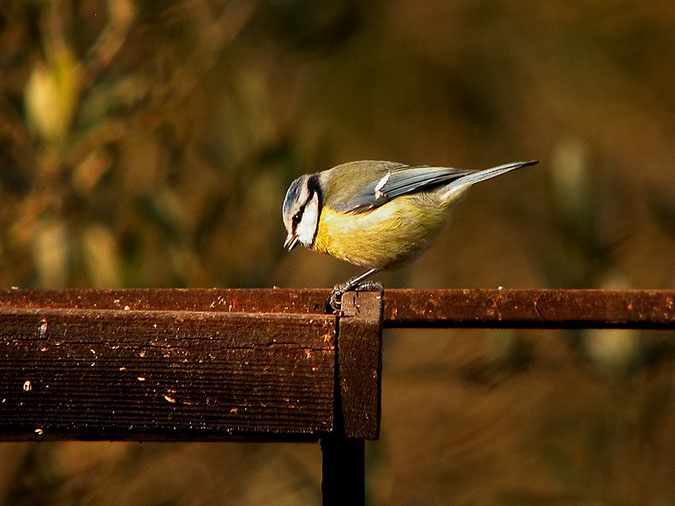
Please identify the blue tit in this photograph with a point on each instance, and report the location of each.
(375, 214)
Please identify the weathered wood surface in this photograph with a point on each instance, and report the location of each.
(359, 365)
(168, 375)
(227, 364)
(266, 300)
(478, 308)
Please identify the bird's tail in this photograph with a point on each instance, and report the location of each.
(458, 186)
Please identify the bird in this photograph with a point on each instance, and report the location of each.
(375, 214)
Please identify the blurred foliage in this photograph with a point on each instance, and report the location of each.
(149, 143)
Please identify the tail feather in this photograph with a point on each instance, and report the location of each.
(463, 183)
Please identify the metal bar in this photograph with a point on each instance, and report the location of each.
(478, 308)
(553, 308)
(344, 471)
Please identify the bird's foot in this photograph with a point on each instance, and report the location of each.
(334, 303)
(335, 299)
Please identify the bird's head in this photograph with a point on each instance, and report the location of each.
(301, 210)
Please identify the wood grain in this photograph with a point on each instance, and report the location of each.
(443, 308)
(359, 367)
(275, 300)
(168, 375)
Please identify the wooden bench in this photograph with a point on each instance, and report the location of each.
(248, 365)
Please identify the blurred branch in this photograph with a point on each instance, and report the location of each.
(14, 129)
(215, 34)
(54, 25)
(121, 17)
(109, 132)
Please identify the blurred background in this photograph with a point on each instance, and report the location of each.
(149, 143)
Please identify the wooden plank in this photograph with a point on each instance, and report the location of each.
(477, 308)
(166, 375)
(273, 300)
(359, 368)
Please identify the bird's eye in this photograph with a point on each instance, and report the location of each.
(296, 217)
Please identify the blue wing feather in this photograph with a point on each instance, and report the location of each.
(400, 181)
(356, 187)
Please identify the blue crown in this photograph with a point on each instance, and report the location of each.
(291, 195)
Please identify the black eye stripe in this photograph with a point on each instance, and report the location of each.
(298, 216)
(313, 191)
(301, 210)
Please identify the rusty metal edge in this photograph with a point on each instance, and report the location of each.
(530, 308)
(403, 308)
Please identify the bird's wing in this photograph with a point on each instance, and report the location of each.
(387, 182)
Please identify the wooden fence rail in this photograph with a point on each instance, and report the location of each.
(477, 308)
(254, 365)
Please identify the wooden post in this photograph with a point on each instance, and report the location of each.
(357, 399)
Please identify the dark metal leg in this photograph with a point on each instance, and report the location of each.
(344, 473)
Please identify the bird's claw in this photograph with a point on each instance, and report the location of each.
(369, 286)
(335, 299)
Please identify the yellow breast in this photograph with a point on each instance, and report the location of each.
(383, 237)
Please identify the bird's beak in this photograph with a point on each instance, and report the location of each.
(291, 241)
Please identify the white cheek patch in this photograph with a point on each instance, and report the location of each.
(310, 219)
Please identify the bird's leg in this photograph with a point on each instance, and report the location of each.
(356, 283)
